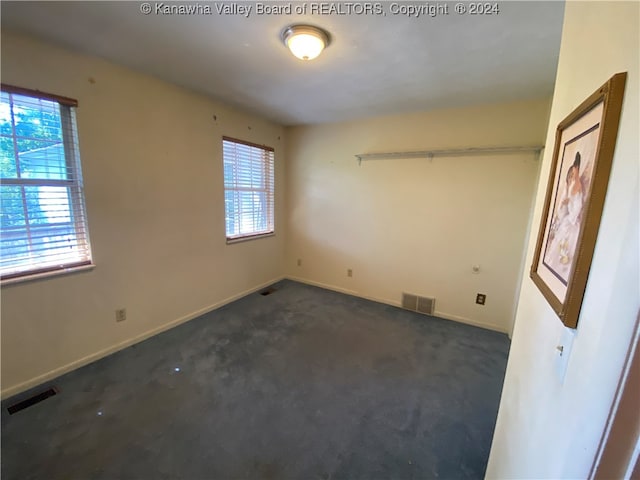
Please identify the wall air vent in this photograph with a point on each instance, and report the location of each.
(419, 304)
(267, 291)
(409, 302)
(16, 407)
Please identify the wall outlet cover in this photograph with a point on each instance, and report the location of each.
(121, 314)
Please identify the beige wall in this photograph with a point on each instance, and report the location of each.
(416, 225)
(545, 428)
(151, 157)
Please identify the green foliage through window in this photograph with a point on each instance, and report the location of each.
(42, 219)
(248, 189)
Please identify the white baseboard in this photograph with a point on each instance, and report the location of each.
(468, 321)
(21, 387)
(326, 286)
(444, 315)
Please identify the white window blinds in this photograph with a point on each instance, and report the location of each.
(248, 189)
(43, 224)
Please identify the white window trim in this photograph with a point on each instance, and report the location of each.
(248, 238)
(43, 275)
(78, 210)
(269, 189)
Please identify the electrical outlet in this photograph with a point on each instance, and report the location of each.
(481, 298)
(299, 262)
(349, 273)
(121, 314)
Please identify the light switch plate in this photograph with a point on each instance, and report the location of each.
(563, 352)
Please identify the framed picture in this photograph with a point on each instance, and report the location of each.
(582, 156)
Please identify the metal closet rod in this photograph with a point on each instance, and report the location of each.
(454, 152)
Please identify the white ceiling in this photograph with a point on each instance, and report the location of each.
(375, 65)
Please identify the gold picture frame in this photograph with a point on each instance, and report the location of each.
(582, 156)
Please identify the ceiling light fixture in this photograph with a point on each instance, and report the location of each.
(305, 41)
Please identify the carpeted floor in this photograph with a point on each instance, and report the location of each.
(303, 383)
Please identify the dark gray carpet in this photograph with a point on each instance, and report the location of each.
(303, 383)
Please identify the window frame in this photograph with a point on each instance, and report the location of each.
(268, 159)
(76, 198)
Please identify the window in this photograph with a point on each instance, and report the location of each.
(248, 189)
(43, 224)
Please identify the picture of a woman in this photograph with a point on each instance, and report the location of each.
(565, 226)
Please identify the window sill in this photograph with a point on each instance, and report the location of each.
(249, 237)
(43, 275)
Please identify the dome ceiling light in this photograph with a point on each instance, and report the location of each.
(305, 41)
